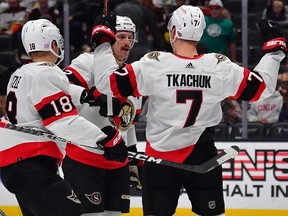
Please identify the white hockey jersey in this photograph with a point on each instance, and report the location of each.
(80, 73)
(38, 96)
(184, 93)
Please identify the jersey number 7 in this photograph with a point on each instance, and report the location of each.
(197, 97)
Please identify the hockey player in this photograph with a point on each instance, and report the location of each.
(185, 92)
(38, 96)
(102, 186)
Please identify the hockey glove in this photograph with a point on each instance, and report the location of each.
(272, 36)
(95, 98)
(113, 145)
(104, 30)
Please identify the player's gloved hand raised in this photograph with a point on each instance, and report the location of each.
(113, 145)
(95, 98)
(104, 29)
(272, 36)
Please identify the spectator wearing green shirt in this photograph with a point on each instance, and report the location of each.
(219, 35)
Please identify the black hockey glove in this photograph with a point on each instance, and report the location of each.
(113, 145)
(272, 36)
(104, 29)
(95, 98)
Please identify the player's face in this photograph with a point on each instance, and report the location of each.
(122, 46)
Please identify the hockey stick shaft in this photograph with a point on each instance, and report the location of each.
(109, 98)
(216, 161)
(226, 155)
(106, 7)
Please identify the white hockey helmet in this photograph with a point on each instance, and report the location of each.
(124, 23)
(38, 35)
(189, 22)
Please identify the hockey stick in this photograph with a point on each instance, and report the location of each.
(214, 162)
(224, 156)
(109, 98)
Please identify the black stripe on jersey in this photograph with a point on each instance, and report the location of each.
(73, 79)
(124, 85)
(251, 89)
(48, 111)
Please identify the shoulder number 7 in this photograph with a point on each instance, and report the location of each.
(197, 97)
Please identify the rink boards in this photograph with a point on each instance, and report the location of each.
(255, 183)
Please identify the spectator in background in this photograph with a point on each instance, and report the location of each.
(3, 6)
(13, 18)
(276, 11)
(4, 78)
(43, 10)
(219, 35)
(232, 112)
(283, 89)
(145, 22)
(266, 111)
(78, 15)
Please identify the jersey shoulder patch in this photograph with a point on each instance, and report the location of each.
(153, 55)
(220, 57)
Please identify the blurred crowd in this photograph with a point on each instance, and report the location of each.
(222, 35)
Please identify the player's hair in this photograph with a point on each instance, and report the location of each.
(38, 35)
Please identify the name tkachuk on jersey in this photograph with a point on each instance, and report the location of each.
(179, 80)
(184, 100)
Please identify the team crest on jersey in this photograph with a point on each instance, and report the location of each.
(94, 198)
(153, 55)
(126, 116)
(220, 57)
(73, 197)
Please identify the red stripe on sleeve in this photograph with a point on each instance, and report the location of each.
(48, 100)
(242, 85)
(79, 77)
(59, 114)
(133, 81)
(113, 86)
